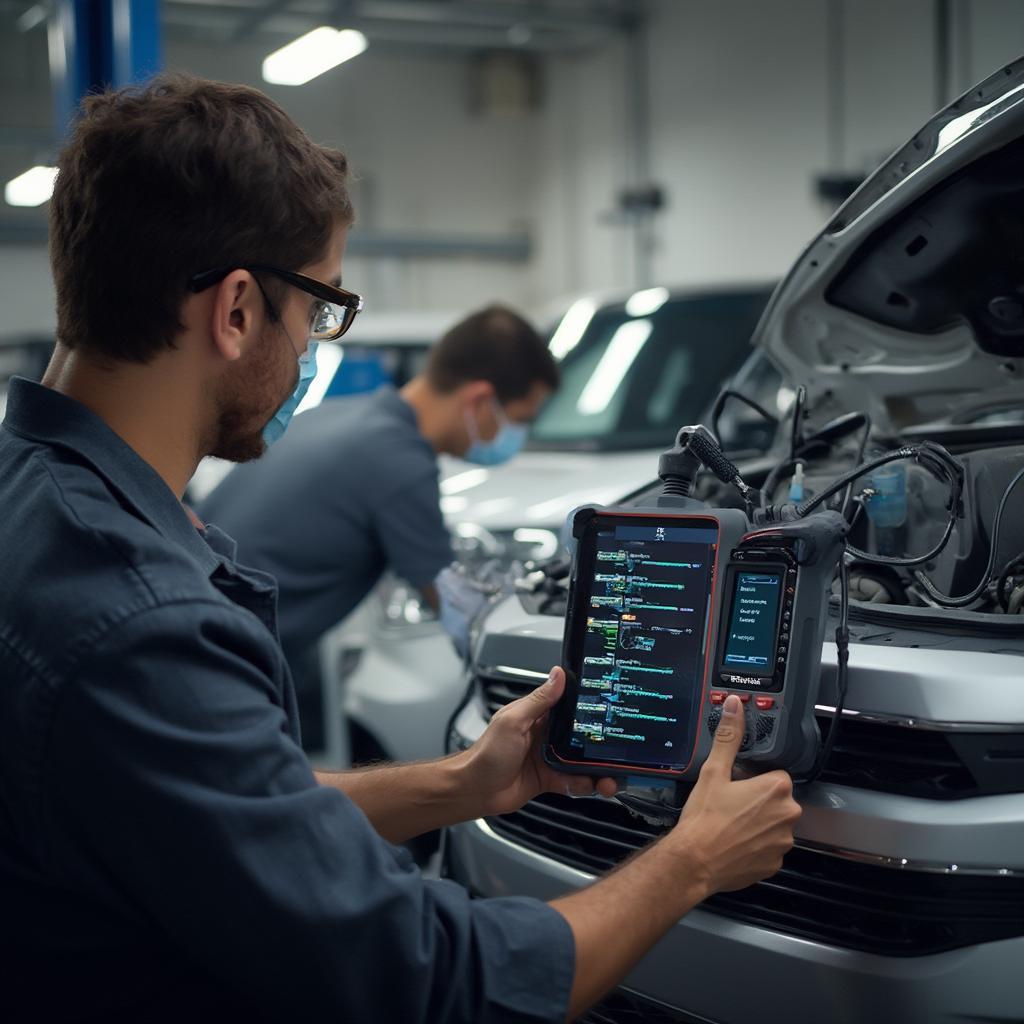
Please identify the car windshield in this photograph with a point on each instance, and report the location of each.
(634, 372)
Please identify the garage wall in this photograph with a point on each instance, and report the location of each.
(426, 166)
(744, 108)
(27, 304)
(747, 104)
(735, 133)
(583, 160)
(993, 33)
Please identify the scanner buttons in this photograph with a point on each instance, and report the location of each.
(759, 727)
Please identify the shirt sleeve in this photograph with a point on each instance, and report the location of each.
(171, 776)
(412, 533)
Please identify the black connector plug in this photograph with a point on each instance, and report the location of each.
(706, 448)
(696, 447)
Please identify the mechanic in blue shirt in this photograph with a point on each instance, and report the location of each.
(166, 852)
(364, 471)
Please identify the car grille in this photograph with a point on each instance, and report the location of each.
(497, 691)
(878, 756)
(625, 1007)
(815, 896)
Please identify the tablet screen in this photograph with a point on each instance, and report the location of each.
(641, 640)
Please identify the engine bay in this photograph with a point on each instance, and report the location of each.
(902, 510)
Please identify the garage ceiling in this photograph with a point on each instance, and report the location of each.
(445, 28)
(538, 25)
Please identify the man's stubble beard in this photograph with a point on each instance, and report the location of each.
(248, 401)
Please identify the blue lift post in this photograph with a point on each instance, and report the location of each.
(95, 44)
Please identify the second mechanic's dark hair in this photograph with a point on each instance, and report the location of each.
(162, 181)
(495, 345)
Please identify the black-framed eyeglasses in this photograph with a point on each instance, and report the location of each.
(333, 314)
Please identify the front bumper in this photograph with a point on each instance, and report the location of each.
(720, 970)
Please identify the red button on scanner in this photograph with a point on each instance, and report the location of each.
(744, 697)
(717, 697)
(764, 703)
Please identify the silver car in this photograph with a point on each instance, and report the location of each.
(904, 897)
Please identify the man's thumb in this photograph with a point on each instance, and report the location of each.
(728, 735)
(539, 701)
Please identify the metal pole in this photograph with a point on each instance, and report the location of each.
(943, 51)
(638, 139)
(835, 84)
(96, 44)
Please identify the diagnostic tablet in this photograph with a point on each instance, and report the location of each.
(637, 645)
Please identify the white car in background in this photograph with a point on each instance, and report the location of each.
(635, 368)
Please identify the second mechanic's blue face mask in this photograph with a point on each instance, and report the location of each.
(506, 444)
(279, 423)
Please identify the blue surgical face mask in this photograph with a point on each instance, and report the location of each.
(307, 371)
(506, 444)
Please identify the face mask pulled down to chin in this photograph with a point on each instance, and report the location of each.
(278, 424)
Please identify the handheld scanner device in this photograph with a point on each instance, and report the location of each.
(639, 642)
(775, 591)
(669, 612)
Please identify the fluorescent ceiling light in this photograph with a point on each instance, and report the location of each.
(572, 327)
(614, 365)
(312, 54)
(33, 188)
(646, 302)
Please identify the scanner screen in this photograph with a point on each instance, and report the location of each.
(753, 615)
(644, 646)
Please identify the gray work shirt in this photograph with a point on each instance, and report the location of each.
(165, 851)
(350, 490)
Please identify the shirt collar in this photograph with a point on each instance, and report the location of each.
(392, 397)
(42, 414)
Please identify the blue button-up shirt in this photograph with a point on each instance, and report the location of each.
(165, 851)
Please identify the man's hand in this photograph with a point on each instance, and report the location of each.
(498, 774)
(738, 831)
(730, 835)
(506, 762)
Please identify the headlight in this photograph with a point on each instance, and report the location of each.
(403, 605)
(535, 545)
(486, 555)
(475, 545)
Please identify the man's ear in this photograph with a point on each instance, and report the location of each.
(235, 314)
(476, 392)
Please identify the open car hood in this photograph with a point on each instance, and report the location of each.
(909, 305)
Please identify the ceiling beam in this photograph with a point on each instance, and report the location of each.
(255, 19)
(405, 17)
(486, 13)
